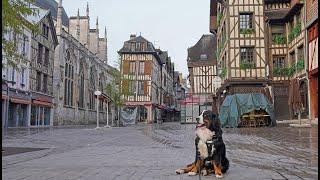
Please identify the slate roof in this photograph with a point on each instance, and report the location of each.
(34, 19)
(206, 45)
(52, 5)
(126, 46)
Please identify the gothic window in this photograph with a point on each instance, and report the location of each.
(68, 80)
(92, 87)
(81, 87)
(246, 21)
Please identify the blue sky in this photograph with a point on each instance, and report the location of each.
(172, 25)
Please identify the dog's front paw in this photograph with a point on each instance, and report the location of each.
(179, 171)
(219, 176)
(192, 173)
(204, 172)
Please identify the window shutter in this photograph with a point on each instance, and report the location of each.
(125, 67)
(125, 86)
(145, 88)
(147, 67)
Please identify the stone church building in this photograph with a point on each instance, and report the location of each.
(80, 68)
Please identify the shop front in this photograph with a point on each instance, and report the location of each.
(41, 111)
(18, 108)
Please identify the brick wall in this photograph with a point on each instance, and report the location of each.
(312, 9)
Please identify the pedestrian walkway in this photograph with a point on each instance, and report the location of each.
(154, 151)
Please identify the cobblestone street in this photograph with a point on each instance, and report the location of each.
(155, 151)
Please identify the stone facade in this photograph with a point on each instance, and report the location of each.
(78, 72)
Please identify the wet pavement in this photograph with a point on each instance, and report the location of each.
(155, 151)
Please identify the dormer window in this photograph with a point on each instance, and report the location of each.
(203, 57)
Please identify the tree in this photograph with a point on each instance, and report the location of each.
(13, 22)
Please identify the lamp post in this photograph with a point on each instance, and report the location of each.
(107, 126)
(97, 93)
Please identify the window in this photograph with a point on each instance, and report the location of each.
(46, 57)
(81, 87)
(25, 46)
(132, 86)
(203, 57)
(292, 58)
(45, 30)
(141, 67)
(12, 75)
(38, 81)
(246, 55)
(23, 71)
(132, 67)
(40, 52)
(140, 87)
(246, 21)
(132, 46)
(278, 62)
(92, 87)
(68, 78)
(300, 53)
(45, 83)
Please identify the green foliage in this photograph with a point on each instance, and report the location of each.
(223, 73)
(247, 65)
(13, 22)
(247, 31)
(294, 32)
(298, 67)
(279, 39)
(280, 71)
(220, 48)
(113, 88)
(219, 17)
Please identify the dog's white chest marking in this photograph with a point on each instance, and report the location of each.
(204, 134)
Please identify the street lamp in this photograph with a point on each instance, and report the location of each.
(97, 93)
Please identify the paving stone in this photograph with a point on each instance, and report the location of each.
(155, 151)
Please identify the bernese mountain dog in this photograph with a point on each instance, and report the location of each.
(209, 146)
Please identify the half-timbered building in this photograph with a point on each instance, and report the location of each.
(241, 47)
(286, 53)
(312, 54)
(147, 80)
(202, 66)
(141, 76)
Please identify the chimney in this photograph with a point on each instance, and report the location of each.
(132, 36)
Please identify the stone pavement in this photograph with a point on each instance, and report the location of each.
(155, 151)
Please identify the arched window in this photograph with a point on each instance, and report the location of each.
(81, 86)
(92, 88)
(68, 80)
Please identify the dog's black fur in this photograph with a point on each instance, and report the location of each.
(219, 154)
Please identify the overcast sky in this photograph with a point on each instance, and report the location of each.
(172, 25)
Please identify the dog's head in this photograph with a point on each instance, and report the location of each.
(207, 118)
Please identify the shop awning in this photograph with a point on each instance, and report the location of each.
(42, 103)
(4, 97)
(20, 101)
